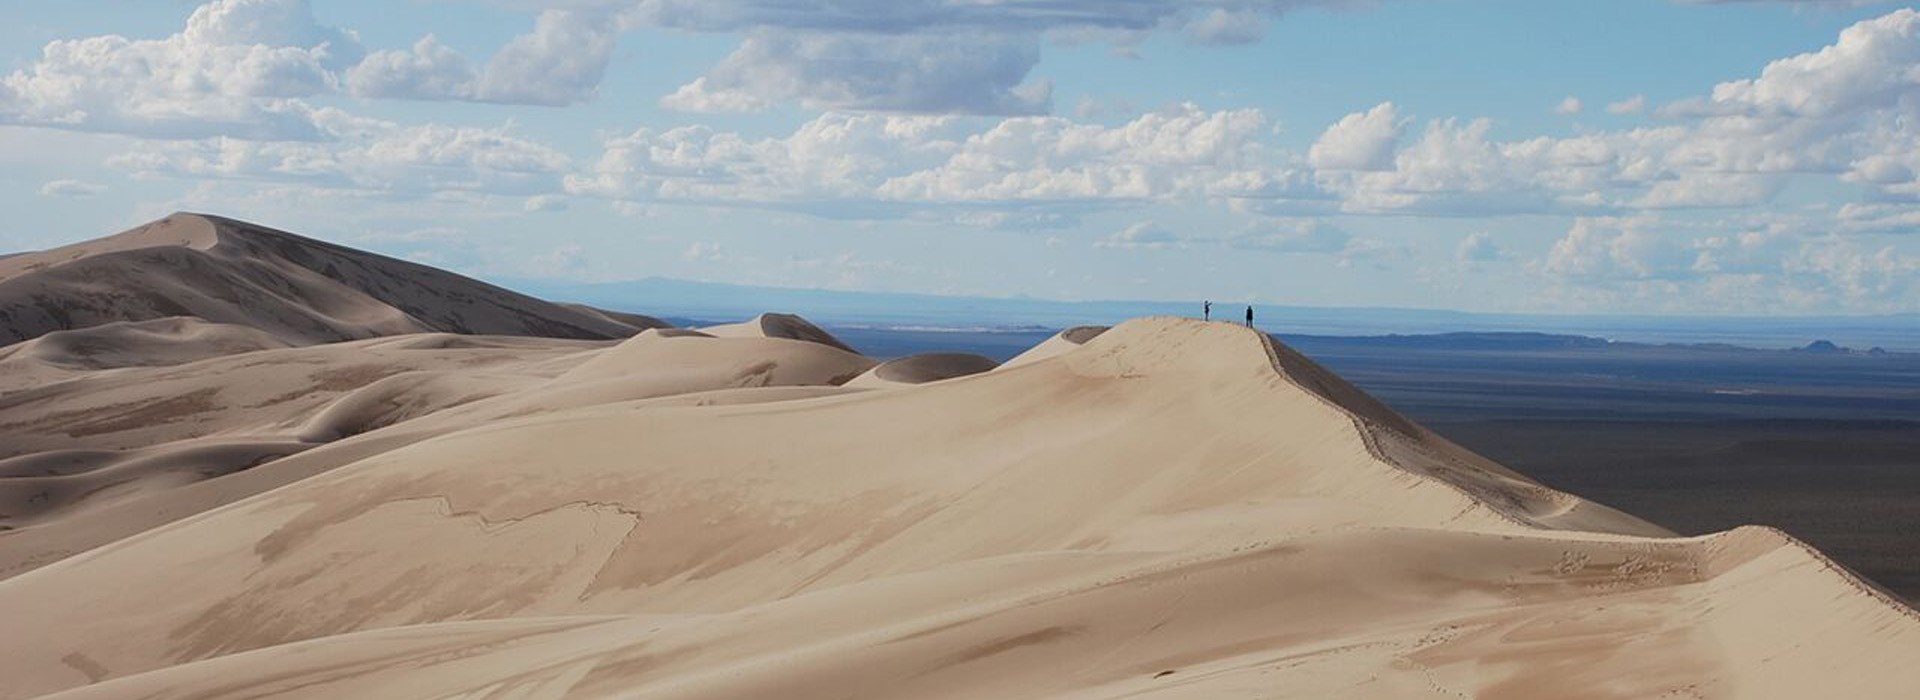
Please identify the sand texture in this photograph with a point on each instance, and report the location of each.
(1166, 509)
(923, 368)
(298, 290)
(96, 458)
(236, 463)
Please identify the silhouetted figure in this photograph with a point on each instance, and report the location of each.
(1206, 310)
(1249, 317)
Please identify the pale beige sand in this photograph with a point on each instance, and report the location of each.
(923, 368)
(97, 458)
(295, 289)
(1059, 344)
(786, 326)
(121, 425)
(98, 438)
(1169, 509)
(152, 343)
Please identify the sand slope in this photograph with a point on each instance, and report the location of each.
(1169, 509)
(103, 456)
(1059, 344)
(188, 350)
(786, 326)
(152, 343)
(297, 290)
(96, 438)
(923, 368)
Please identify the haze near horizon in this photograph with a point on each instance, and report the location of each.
(1497, 156)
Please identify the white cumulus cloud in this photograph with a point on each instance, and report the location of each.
(1649, 263)
(961, 73)
(383, 158)
(1359, 141)
(237, 68)
(926, 56)
(428, 71)
(71, 188)
(1631, 105)
(1225, 27)
(1618, 247)
(1144, 234)
(1182, 152)
(1845, 111)
(561, 61)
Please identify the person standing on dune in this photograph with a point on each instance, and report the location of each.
(1206, 310)
(1249, 316)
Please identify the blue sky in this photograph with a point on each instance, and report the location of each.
(1628, 156)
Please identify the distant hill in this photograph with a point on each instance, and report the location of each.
(296, 289)
(1469, 341)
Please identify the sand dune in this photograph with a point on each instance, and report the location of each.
(685, 356)
(97, 438)
(1166, 509)
(923, 368)
(1059, 344)
(235, 462)
(184, 351)
(103, 457)
(786, 326)
(152, 343)
(297, 290)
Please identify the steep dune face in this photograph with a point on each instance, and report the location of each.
(1171, 509)
(923, 368)
(786, 326)
(1059, 344)
(298, 290)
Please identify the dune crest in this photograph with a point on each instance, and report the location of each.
(299, 290)
(1167, 509)
(240, 462)
(786, 326)
(152, 343)
(88, 440)
(1060, 343)
(923, 368)
(101, 457)
(747, 360)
